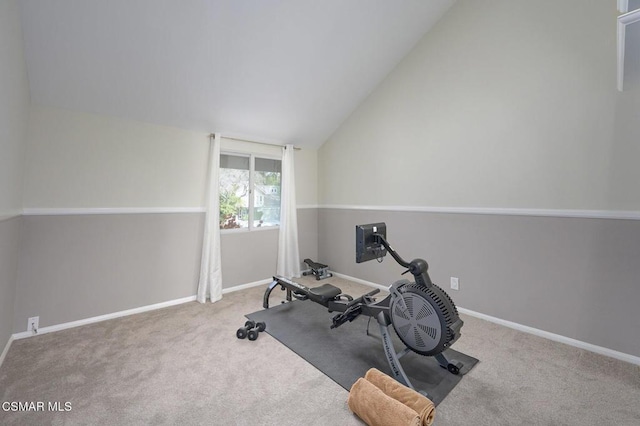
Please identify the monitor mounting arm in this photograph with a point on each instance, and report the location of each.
(417, 267)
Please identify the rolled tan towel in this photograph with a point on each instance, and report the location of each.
(377, 409)
(401, 393)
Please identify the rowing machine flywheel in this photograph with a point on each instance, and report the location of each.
(423, 318)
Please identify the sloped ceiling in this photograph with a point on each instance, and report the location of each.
(284, 71)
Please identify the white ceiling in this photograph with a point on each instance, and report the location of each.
(283, 71)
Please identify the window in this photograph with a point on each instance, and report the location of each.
(249, 191)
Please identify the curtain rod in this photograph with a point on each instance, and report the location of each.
(245, 140)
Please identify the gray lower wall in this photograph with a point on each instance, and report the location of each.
(80, 266)
(74, 267)
(9, 254)
(575, 277)
(308, 235)
(248, 257)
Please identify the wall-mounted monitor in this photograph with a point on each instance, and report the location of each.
(367, 245)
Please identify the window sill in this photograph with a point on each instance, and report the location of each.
(244, 230)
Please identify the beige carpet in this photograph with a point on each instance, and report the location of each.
(183, 365)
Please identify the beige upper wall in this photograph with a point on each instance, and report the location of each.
(502, 104)
(306, 168)
(79, 160)
(14, 109)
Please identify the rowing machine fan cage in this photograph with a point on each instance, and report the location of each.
(422, 317)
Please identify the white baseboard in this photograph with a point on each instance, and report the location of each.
(555, 337)
(524, 328)
(359, 281)
(86, 321)
(245, 286)
(5, 350)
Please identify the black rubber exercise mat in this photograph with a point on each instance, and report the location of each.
(346, 353)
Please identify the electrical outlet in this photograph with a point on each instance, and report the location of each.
(455, 284)
(32, 324)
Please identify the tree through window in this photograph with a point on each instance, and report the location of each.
(249, 191)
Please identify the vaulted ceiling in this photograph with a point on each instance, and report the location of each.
(277, 70)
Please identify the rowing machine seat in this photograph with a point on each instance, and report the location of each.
(324, 293)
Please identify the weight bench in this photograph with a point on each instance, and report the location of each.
(320, 270)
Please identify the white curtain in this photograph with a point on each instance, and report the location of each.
(288, 253)
(210, 284)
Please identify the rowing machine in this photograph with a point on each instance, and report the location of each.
(421, 313)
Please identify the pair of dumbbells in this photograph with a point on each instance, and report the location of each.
(251, 330)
